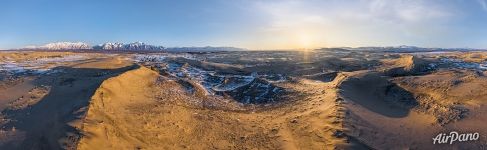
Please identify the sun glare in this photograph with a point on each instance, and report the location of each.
(305, 41)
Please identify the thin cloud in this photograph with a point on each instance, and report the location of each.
(356, 22)
(483, 3)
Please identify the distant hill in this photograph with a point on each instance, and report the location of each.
(203, 49)
(61, 46)
(135, 46)
(404, 48)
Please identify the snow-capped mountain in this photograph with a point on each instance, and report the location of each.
(130, 46)
(142, 46)
(62, 46)
(111, 46)
(121, 46)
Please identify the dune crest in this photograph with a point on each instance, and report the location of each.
(102, 128)
(140, 109)
(405, 65)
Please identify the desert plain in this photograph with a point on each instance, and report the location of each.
(327, 98)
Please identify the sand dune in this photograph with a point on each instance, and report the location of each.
(382, 109)
(405, 65)
(377, 94)
(125, 114)
(48, 115)
(356, 100)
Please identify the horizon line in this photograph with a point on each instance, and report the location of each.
(26, 47)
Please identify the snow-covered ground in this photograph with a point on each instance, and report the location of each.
(208, 79)
(161, 57)
(458, 63)
(257, 87)
(42, 65)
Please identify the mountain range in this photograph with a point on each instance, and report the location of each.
(61, 46)
(121, 46)
(140, 46)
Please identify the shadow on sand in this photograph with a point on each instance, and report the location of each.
(48, 124)
(379, 96)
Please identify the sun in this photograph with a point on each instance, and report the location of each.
(305, 41)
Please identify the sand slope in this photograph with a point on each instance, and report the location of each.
(141, 110)
(106, 102)
(47, 116)
(404, 65)
(406, 113)
(125, 114)
(102, 128)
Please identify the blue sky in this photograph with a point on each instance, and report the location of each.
(253, 24)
